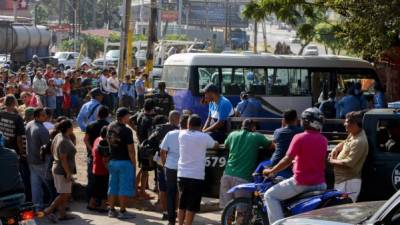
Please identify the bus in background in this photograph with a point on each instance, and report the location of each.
(279, 82)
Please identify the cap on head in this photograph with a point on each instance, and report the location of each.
(211, 88)
(84, 63)
(122, 111)
(244, 94)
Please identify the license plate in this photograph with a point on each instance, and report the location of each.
(27, 222)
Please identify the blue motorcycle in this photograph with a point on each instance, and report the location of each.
(252, 211)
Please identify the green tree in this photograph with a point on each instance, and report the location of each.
(255, 12)
(299, 14)
(92, 44)
(368, 28)
(326, 34)
(41, 14)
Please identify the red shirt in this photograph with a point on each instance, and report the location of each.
(99, 168)
(33, 102)
(309, 152)
(67, 88)
(48, 75)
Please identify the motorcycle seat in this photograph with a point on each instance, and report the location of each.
(11, 200)
(306, 195)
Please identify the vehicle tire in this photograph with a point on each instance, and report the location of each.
(251, 213)
(61, 67)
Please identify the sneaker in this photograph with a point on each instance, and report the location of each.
(112, 213)
(164, 216)
(126, 215)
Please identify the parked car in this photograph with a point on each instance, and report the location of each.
(367, 213)
(112, 57)
(70, 59)
(311, 50)
(3, 58)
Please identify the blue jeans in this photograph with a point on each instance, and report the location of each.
(38, 181)
(114, 101)
(282, 191)
(90, 177)
(26, 178)
(59, 103)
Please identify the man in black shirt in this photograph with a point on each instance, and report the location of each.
(163, 101)
(122, 164)
(9, 168)
(144, 129)
(93, 132)
(12, 125)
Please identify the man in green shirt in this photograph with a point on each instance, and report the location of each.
(243, 148)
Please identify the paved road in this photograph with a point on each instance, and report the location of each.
(85, 217)
(274, 35)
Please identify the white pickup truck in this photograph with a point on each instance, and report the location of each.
(70, 59)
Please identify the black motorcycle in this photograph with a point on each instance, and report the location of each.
(14, 211)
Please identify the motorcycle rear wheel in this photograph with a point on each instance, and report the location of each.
(244, 211)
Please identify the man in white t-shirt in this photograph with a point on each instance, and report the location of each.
(113, 87)
(59, 82)
(193, 145)
(103, 80)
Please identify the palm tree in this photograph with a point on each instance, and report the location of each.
(254, 11)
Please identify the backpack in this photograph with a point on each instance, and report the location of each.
(144, 126)
(104, 148)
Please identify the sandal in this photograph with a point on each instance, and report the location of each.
(91, 208)
(101, 210)
(66, 217)
(51, 217)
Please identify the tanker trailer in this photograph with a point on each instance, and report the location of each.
(22, 41)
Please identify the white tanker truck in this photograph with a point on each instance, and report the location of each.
(22, 41)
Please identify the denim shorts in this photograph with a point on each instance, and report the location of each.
(122, 178)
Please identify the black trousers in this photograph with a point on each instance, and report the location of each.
(172, 191)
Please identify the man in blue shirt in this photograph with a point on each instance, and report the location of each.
(126, 93)
(140, 89)
(379, 96)
(88, 112)
(347, 104)
(283, 136)
(249, 106)
(219, 109)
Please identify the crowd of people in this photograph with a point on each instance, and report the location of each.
(37, 123)
(351, 98)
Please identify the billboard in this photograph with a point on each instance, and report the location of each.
(9, 4)
(218, 13)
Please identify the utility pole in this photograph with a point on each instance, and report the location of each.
(15, 6)
(180, 3)
(124, 37)
(60, 16)
(152, 37)
(94, 15)
(226, 23)
(255, 36)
